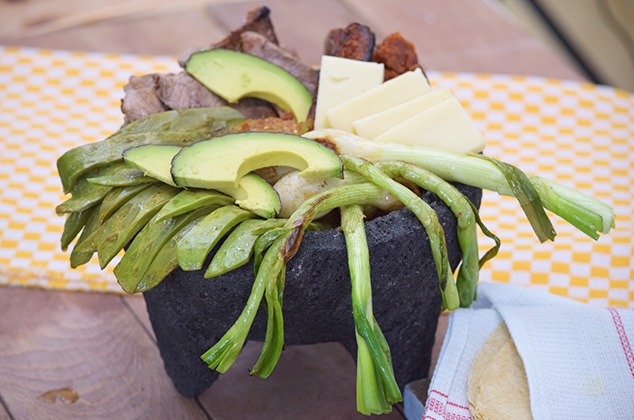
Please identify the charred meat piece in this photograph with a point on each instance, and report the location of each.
(355, 42)
(181, 91)
(397, 54)
(256, 44)
(141, 98)
(254, 108)
(258, 20)
(153, 93)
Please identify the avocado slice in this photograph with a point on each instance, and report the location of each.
(234, 75)
(252, 192)
(155, 160)
(221, 162)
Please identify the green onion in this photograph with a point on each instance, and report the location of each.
(427, 217)
(465, 213)
(377, 389)
(222, 355)
(584, 212)
(523, 190)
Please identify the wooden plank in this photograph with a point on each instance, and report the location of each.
(309, 382)
(3, 414)
(439, 338)
(463, 35)
(301, 25)
(89, 344)
(136, 304)
(167, 33)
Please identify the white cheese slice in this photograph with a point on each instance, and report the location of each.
(374, 125)
(341, 79)
(444, 126)
(407, 86)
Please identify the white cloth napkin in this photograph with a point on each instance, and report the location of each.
(578, 358)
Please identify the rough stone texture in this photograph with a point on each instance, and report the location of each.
(190, 314)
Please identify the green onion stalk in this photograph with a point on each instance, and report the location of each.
(466, 216)
(586, 213)
(426, 215)
(377, 389)
(224, 353)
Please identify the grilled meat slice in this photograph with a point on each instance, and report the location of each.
(397, 54)
(153, 93)
(140, 98)
(254, 108)
(181, 91)
(256, 44)
(258, 20)
(355, 42)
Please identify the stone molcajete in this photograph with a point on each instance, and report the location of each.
(190, 314)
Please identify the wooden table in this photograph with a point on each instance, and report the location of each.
(102, 347)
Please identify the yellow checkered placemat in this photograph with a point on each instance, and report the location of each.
(580, 135)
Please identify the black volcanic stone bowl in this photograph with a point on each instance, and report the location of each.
(190, 314)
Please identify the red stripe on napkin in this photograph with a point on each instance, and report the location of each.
(439, 408)
(625, 343)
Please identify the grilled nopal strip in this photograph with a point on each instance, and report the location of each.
(86, 194)
(117, 197)
(179, 128)
(73, 225)
(147, 245)
(125, 178)
(121, 227)
(188, 200)
(165, 261)
(84, 248)
(237, 249)
(196, 245)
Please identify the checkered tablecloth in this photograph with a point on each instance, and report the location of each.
(577, 134)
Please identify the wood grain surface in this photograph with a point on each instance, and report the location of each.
(88, 344)
(101, 346)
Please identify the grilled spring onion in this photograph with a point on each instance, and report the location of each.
(222, 355)
(377, 389)
(586, 213)
(427, 217)
(466, 215)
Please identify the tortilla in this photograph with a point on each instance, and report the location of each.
(497, 384)
(491, 347)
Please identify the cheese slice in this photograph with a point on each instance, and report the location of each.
(444, 126)
(341, 79)
(374, 125)
(407, 86)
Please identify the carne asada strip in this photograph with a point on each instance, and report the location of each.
(258, 45)
(257, 20)
(140, 98)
